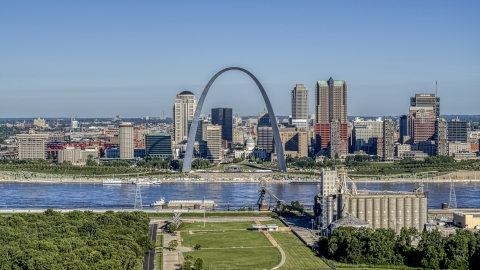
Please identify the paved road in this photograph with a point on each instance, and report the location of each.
(149, 260)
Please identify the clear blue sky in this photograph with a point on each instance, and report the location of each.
(103, 58)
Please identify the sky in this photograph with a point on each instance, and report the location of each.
(131, 58)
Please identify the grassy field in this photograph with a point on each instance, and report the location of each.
(299, 256)
(226, 239)
(277, 222)
(230, 245)
(215, 226)
(239, 258)
(216, 214)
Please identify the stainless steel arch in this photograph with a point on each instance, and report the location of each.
(187, 163)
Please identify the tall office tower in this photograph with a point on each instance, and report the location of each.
(421, 125)
(331, 101)
(331, 110)
(32, 146)
(426, 101)
(265, 133)
(388, 140)
(300, 102)
(126, 140)
(214, 143)
(183, 112)
(158, 145)
(403, 129)
(457, 131)
(441, 137)
(223, 117)
(294, 141)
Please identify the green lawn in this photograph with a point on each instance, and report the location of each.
(299, 256)
(239, 258)
(277, 222)
(198, 226)
(225, 239)
(216, 214)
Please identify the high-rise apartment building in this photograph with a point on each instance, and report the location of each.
(457, 131)
(300, 103)
(214, 143)
(32, 146)
(223, 117)
(126, 140)
(331, 101)
(427, 102)
(158, 145)
(388, 140)
(183, 112)
(441, 137)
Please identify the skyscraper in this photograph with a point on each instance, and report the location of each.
(426, 101)
(424, 110)
(223, 117)
(299, 102)
(183, 112)
(421, 125)
(265, 132)
(331, 101)
(126, 140)
(214, 143)
(331, 117)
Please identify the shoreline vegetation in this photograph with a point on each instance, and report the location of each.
(360, 168)
(276, 178)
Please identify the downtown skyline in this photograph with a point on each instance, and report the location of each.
(109, 58)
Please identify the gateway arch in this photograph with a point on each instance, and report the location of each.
(187, 163)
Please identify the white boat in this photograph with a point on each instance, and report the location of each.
(159, 202)
(112, 181)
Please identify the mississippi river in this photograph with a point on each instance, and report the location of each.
(117, 197)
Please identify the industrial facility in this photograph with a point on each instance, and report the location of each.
(380, 209)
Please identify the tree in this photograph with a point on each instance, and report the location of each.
(172, 227)
(198, 264)
(187, 265)
(90, 161)
(172, 245)
(197, 247)
(431, 249)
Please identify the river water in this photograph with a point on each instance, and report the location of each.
(99, 196)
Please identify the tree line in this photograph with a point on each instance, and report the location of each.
(384, 247)
(74, 240)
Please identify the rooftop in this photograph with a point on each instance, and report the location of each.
(186, 93)
(350, 220)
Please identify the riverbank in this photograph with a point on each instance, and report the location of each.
(211, 181)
